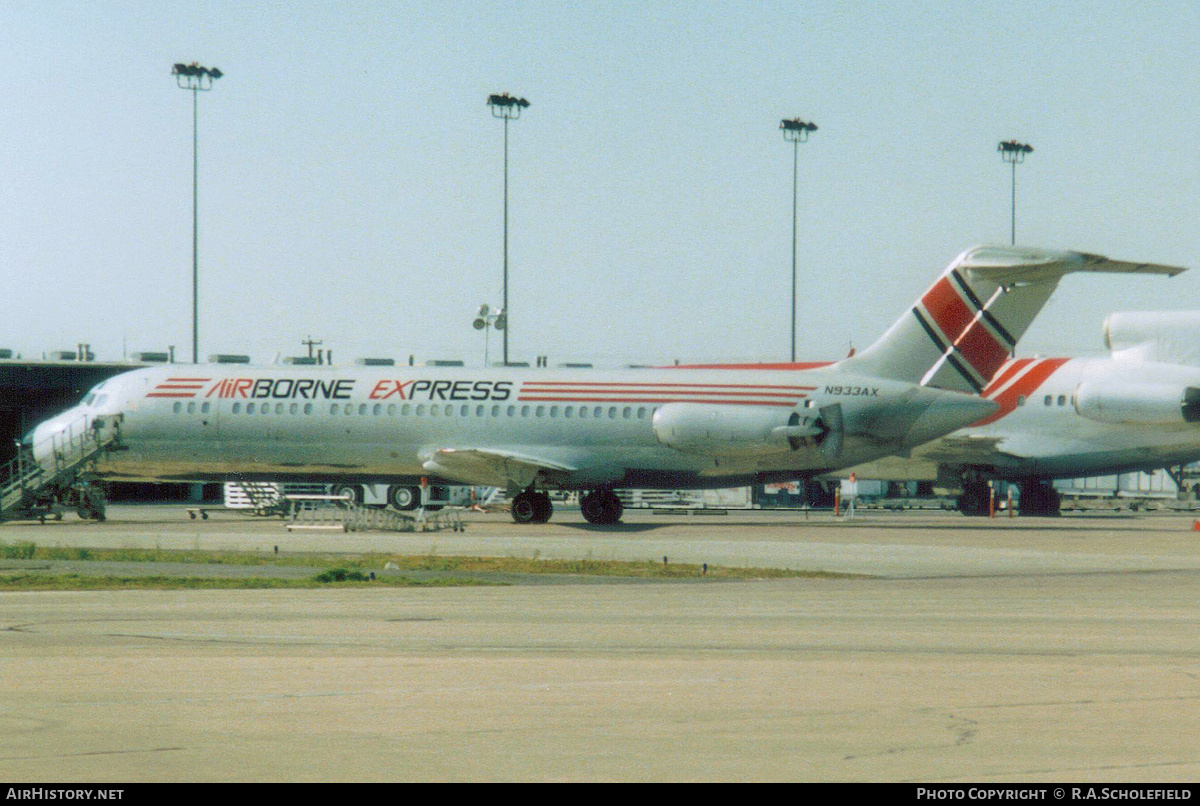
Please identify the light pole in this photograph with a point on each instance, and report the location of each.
(506, 107)
(485, 319)
(1013, 152)
(197, 79)
(795, 131)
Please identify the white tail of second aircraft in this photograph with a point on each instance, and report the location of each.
(967, 323)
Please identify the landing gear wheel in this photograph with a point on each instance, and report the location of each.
(532, 507)
(1039, 498)
(601, 507)
(974, 498)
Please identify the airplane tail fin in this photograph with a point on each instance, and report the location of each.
(967, 323)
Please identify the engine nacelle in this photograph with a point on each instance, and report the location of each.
(1145, 403)
(721, 430)
(1172, 337)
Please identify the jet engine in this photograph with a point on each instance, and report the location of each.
(1144, 403)
(722, 430)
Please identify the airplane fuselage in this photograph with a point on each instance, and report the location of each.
(1071, 418)
(209, 422)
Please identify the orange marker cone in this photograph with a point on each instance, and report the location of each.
(1196, 526)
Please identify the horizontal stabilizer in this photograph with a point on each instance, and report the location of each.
(1008, 265)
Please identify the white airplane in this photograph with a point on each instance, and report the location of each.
(588, 430)
(1137, 409)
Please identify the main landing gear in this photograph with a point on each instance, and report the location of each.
(601, 507)
(532, 507)
(974, 498)
(1037, 498)
(1040, 498)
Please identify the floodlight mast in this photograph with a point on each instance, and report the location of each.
(1013, 152)
(197, 79)
(506, 107)
(486, 319)
(795, 131)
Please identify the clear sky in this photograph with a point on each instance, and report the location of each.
(351, 174)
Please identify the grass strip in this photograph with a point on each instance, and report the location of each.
(81, 582)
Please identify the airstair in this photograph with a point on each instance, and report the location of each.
(33, 488)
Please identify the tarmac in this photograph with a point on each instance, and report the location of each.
(954, 650)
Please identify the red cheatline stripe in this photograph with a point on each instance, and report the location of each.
(188, 380)
(171, 394)
(633, 385)
(784, 366)
(1024, 386)
(947, 309)
(180, 386)
(1003, 378)
(526, 399)
(705, 392)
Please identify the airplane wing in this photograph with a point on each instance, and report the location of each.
(966, 451)
(497, 468)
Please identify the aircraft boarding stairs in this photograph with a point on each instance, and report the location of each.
(34, 489)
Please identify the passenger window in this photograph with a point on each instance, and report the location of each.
(191, 408)
(204, 408)
(465, 410)
(421, 410)
(554, 411)
(495, 411)
(641, 412)
(308, 408)
(1062, 400)
(540, 411)
(479, 411)
(627, 413)
(391, 410)
(178, 407)
(377, 410)
(237, 407)
(249, 408)
(1049, 399)
(279, 408)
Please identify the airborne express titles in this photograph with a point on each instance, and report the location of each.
(343, 388)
